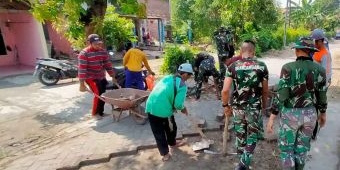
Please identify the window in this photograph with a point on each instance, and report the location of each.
(3, 50)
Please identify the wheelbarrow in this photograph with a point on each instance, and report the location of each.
(126, 99)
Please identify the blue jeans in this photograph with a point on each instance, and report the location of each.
(134, 80)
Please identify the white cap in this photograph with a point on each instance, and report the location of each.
(186, 67)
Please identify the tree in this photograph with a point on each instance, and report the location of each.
(79, 18)
(116, 29)
(208, 15)
(316, 14)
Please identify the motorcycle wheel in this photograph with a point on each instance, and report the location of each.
(48, 79)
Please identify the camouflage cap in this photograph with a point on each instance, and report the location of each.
(222, 29)
(305, 43)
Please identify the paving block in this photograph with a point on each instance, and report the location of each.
(201, 123)
(220, 117)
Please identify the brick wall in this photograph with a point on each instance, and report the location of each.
(157, 8)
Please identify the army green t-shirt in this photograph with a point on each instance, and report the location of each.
(247, 75)
(302, 84)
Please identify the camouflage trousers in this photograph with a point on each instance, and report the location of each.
(296, 129)
(247, 125)
(200, 78)
(223, 68)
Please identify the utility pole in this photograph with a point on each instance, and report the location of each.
(285, 27)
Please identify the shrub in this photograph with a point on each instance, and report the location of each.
(264, 40)
(174, 56)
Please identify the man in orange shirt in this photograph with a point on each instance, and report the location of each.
(322, 57)
(133, 61)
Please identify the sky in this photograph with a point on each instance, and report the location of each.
(283, 3)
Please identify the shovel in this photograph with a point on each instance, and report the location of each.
(225, 136)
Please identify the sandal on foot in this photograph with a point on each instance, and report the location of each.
(166, 158)
(179, 143)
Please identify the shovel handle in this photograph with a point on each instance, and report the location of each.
(225, 135)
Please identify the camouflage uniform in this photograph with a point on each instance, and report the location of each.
(302, 89)
(205, 64)
(247, 75)
(225, 49)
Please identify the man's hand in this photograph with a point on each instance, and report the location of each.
(270, 124)
(322, 119)
(82, 87)
(114, 81)
(185, 111)
(152, 73)
(228, 111)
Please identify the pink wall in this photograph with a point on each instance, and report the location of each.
(59, 42)
(25, 34)
(157, 8)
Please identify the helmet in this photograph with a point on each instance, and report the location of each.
(318, 34)
(305, 43)
(186, 67)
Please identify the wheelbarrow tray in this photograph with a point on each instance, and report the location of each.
(125, 97)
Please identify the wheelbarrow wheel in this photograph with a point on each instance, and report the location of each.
(139, 116)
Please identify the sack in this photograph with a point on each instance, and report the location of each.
(150, 82)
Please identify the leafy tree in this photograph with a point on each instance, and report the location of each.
(79, 18)
(208, 15)
(316, 14)
(116, 29)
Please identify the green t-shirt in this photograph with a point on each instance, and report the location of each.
(161, 99)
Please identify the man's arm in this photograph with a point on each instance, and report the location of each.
(146, 63)
(82, 70)
(226, 90)
(321, 98)
(265, 89)
(108, 66)
(180, 97)
(265, 92)
(126, 58)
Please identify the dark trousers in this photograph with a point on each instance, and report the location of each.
(134, 79)
(163, 134)
(98, 87)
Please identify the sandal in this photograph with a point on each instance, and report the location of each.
(166, 157)
(179, 143)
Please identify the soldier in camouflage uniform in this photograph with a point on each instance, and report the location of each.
(250, 79)
(301, 92)
(225, 48)
(204, 66)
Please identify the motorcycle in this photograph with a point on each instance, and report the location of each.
(50, 71)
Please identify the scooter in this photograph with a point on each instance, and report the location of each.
(50, 71)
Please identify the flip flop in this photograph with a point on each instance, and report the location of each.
(179, 143)
(166, 158)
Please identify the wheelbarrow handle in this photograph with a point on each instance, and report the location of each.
(96, 95)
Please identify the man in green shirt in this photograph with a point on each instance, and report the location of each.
(301, 92)
(167, 96)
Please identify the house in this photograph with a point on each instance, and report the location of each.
(23, 38)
